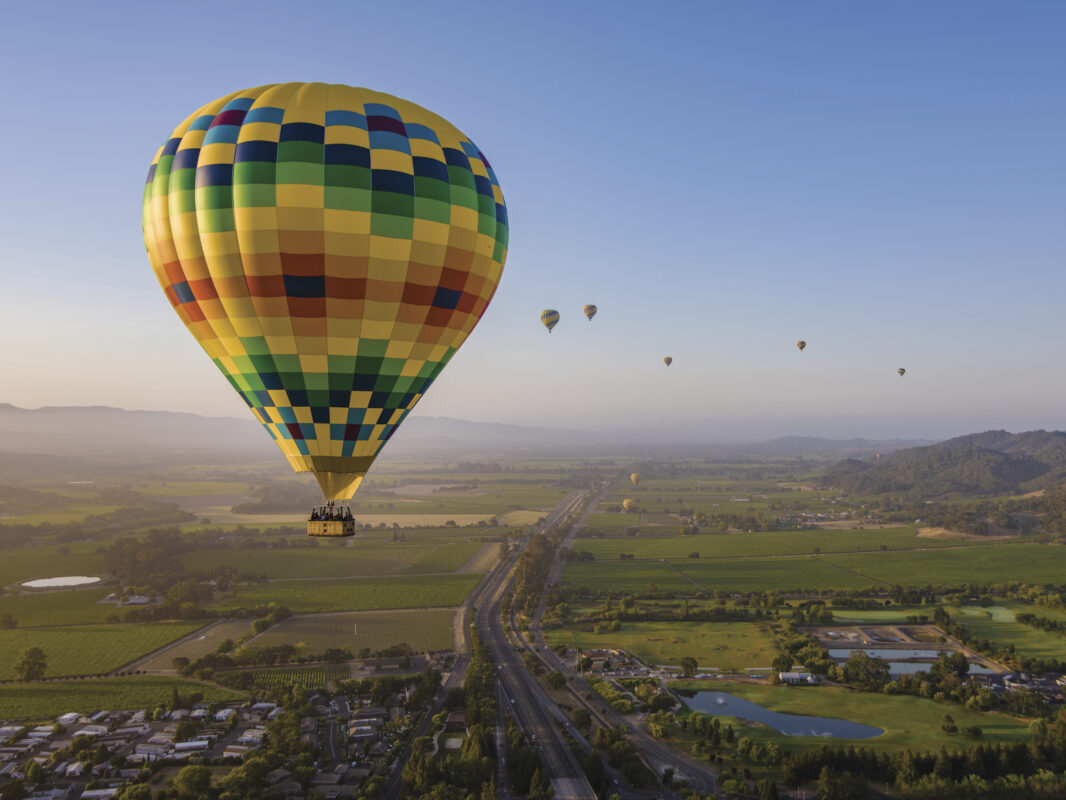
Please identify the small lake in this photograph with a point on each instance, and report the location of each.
(58, 583)
(723, 704)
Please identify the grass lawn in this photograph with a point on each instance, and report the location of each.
(87, 649)
(731, 646)
(357, 594)
(997, 624)
(45, 701)
(1033, 563)
(422, 630)
(912, 722)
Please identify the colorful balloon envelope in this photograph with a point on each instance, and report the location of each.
(801, 345)
(628, 504)
(635, 477)
(901, 371)
(330, 248)
(668, 361)
(590, 311)
(550, 318)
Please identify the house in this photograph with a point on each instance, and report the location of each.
(797, 678)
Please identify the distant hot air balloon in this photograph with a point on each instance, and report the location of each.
(878, 456)
(801, 345)
(590, 311)
(635, 477)
(668, 361)
(901, 371)
(628, 505)
(330, 248)
(550, 318)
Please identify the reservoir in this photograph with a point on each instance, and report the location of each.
(723, 704)
(59, 583)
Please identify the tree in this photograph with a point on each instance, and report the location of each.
(540, 787)
(34, 772)
(768, 789)
(193, 781)
(135, 791)
(555, 680)
(689, 666)
(32, 665)
(7, 622)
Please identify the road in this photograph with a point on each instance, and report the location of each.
(534, 711)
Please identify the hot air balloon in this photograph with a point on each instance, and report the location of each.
(668, 361)
(635, 477)
(901, 371)
(801, 345)
(590, 311)
(628, 505)
(550, 318)
(330, 248)
(878, 456)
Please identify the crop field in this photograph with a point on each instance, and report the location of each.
(621, 577)
(425, 629)
(206, 640)
(787, 573)
(768, 543)
(892, 614)
(997, 624)
(25, 565)
(726, 646)
(908, 722)
(75, 512)
(74, 607)
(45, 701)
(314, 677)
(337, 558)
(444, 557)
(1033, 563)
(87, 649)
(357, 594)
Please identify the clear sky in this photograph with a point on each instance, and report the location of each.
(884, 179)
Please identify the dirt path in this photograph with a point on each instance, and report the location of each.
(483, 560)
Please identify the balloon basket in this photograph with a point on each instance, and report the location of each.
(331, 521)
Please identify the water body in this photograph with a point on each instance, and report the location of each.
(56, 583)
(723, 704)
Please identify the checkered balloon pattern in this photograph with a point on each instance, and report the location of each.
(330, 248)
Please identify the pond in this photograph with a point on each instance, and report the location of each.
(719, 704)
(57, 583)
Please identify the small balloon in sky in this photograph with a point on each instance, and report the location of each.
(901, 371)
(550, 318)
(802, 345)
(668, 360)
(590, 311)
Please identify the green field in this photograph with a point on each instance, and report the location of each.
(623, 577)
(357, 594)
(1032, 563)
(777, 574)
(422, 630)
(73, 513)
(997, 624)
(768, 543)
(338, 558)
(445, 558)
(25, 565)
(726, 646)
(87, 649)
(908, 722)
(75, 607)
(45, 701)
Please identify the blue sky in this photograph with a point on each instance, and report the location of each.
(886, 180)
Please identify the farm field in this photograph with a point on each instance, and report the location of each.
(997, 624)
(312, 677)
(87, 649)
(726, 646)
(788, 573)
(621, 577)
(207, 639)
(45, 701)
(1033, 563)
(424, 629)
(25, 565)
(75, 512)
(769, 543)
(357, 594)
(444, 557)
(333, 559)
(74, 607)
(908, 722)
(894, 613)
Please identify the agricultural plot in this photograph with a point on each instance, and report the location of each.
(72, 513)
(444, 558)
(25, 565)
(767, 543)
(43, 701)
(88, 649)
(205, 641)
(314, 677)
(337, 558)
(356, 594)
(726, 646)
(953, 566)
(42, 609)
(788, 573)
(425, 629)
(623, 577)
(997, 624)
(908, 722)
